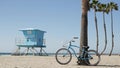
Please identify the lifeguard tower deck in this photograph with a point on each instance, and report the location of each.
(33, 38)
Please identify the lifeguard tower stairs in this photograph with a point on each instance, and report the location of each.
(32, 41)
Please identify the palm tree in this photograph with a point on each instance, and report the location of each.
(94, 6)
(84, 27)
(112, 6)
(103, 8)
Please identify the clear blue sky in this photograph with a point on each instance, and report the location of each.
(60, 18)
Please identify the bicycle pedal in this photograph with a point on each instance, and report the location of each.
(78, 61)
(91, 57)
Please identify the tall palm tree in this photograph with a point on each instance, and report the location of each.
(112, 6)
(103, 8)
(84, 27)
(94, 6)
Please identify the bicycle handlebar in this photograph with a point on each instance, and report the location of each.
(70, 41)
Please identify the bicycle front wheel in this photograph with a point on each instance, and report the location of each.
(93, 58)
(63, 56)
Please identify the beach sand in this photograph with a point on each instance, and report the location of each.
(50, 62)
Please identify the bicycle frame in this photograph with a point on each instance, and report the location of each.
(70, 47)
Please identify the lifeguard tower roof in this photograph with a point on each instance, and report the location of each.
(31, 29)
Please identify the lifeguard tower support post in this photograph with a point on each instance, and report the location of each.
(33, 38)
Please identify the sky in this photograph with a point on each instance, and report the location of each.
(59, 18)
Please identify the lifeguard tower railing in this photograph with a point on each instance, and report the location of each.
(23, 42)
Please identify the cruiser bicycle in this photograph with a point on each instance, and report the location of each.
(63, 55)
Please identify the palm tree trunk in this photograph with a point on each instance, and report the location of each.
(84, 28)
(97, 38)
(105, 33)
(112, 33)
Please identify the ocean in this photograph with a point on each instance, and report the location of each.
(4, 53)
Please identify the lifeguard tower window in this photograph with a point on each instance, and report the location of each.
(29, 32)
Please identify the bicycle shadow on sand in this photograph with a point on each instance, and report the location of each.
(109, 66)
(102, 66)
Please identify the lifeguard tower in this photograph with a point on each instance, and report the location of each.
(33, 38)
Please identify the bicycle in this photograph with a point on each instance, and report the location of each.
(63, 55)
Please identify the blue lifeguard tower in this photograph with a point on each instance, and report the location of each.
(33, 38)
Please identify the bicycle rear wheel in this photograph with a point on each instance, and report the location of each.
(63, 56)
(92, 57)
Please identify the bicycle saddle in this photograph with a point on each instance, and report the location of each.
(85, 47)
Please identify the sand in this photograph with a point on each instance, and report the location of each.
(50, 62)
